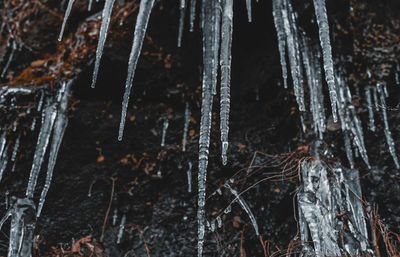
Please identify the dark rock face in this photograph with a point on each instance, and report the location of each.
(149, 182)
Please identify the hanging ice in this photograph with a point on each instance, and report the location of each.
(186, 126)
(388, 134)
(90, 5)
(3, 161)
(106, 16)
(323, 25)
(48, 117)
(192, 14)
(216, 43)
(182, 8)
(311, 67)
(226, 45)
(67, 13)
(349, 151)
(189, 177)
(60, 125)
(293, 51)
(142, 20)
(321, 199)
(15, 150)
(277, 6)
(22, 213)
(164, 132)
(248, 7)
(371, 122)
(206, 118)
(121, 229)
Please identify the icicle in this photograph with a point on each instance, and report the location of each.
(33, 126)
(186, 126)
(206, 116)
(192, 14)
(311, 66)
(142, 20)
(182, 8)
(248, 7)
(121, 229)
(245, 207)
(189, 177)
(115, 216)
(6, 199)
(376, 103)
(40, 103)
(280, 30)
(3, 142)
(349, 151)
(60, 125)
(216, 43)
(3, 162)
(226, 45)
(49, 115)
(293, 55)
(106, 16)
(388, 134)
(15, 150)
(323, 25)
(316, 206)
(22, 227)
(371, 122)
(67, 13)
(10, 58)
(90, 5)
(164, 132)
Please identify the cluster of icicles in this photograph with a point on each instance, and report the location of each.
(23, 211)
(216, 18)
(216, 22)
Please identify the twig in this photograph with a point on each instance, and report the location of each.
(108, 209)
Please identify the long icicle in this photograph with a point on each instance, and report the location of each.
(226, 57)
(323, 25)
(60, 125)
(49, 115)
(142, 20)
(106, 16)
(67, 13)
(280, 31)
(206, 117)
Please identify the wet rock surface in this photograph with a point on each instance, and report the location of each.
(149, 182)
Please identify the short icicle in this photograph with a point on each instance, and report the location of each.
(323, 25)
(182, 8)
(67, 13)
(186, 126)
